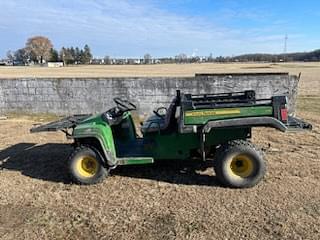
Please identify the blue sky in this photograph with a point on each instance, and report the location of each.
(124, 28)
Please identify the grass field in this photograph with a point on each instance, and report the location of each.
(174, 201)
(309, 71)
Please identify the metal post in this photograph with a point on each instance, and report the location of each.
(202, 142)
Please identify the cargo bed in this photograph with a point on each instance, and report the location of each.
(62, 124)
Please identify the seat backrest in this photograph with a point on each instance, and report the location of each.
(170, 115)
(169, 120)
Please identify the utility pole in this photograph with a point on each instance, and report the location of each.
(285, 47)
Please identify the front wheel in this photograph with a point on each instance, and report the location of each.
(86, 166)
(239, 164)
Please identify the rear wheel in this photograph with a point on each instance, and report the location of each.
(86, 166)
(239, 164)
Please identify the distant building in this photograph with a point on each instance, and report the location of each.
(5, 62)
(97, 61)
(134, 61)
(120, 61)
(55, 64)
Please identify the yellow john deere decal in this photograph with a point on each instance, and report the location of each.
(212, 112)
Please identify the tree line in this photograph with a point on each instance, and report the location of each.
(39, 50)
(288, 57)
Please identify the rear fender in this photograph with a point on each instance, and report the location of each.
(246, 122)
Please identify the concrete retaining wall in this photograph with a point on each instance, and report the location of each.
(65, 96)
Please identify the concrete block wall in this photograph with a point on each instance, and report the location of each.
(66, 96)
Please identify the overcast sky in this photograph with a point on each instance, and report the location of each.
(123, 28)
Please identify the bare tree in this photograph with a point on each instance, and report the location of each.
(40, 47)
(181, 58)
(10, 56)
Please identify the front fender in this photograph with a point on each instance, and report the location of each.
(103, 133)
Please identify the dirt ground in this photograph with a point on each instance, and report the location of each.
(175, 201)
(170, 201)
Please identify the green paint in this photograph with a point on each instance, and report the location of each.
(218, 136)
(179, 146)
(134, 161)
(129, 134)
(96, 127)
(200, 117)
(158, 145)
(172, 145)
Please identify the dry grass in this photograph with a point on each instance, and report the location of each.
(45, 117)
(309, 104)
(174, 201)
(310, 71)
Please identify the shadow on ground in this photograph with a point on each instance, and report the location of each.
(48, 162)
(176, 172)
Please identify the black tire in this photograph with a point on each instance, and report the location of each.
(239, 164)
(86, 166)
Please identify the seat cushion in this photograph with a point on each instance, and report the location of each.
(153, 124)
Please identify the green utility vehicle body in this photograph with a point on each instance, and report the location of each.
(152, 146)
(192, 126)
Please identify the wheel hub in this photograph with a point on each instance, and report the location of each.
(242, 166)
(87, 166)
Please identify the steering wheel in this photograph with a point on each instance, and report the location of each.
(157, 113)
(124, 105)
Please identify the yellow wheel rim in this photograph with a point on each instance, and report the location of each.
(241, 165)
(87, 166)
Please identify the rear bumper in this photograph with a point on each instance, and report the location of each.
(296, 124)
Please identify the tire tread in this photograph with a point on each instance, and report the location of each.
(98, 179)
(222, 152)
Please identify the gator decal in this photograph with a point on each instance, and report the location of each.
(199, 117)
(212, 113)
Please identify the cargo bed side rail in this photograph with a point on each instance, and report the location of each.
(293, 124)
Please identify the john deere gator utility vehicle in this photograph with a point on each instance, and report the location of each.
(192, 126)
